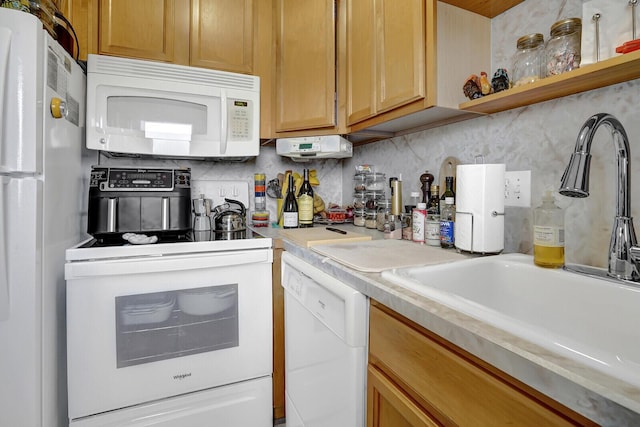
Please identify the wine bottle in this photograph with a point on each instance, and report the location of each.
(305, 202)
(290, 207)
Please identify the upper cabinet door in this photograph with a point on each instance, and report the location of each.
(400, 63)
(145, 29)
(386, 48)
(305, 65)
(222, 34)
(361, 72)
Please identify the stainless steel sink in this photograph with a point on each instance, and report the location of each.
(591, 320)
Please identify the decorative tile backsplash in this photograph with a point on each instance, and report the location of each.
(539, 138)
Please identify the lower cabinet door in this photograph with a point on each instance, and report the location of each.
(388, 406)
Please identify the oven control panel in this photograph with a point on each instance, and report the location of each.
(133, 179)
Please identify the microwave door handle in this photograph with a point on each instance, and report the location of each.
(5, 45)
(224, 122)
(4, 263)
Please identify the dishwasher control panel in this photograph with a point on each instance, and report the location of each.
(335, 304)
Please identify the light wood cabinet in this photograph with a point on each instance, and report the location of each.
(385, 56)
(417, 378)
(222, 35)
(305, 65)
(144, 29)
(417, 58)
(278, 331)
(389, 406)
(216, 34)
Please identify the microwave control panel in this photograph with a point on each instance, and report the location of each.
(132, 179)
(240, 115)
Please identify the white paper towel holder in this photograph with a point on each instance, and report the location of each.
(494, 214)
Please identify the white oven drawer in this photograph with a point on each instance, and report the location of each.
(140, 330)
(248, 403)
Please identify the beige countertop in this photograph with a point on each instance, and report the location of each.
(601, 398)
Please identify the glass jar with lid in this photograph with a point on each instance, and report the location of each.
(529, 59)
(359, 200)
(370, 218)
(383, 212)
(376, 181)
(563, 48)
(359, 182)
(359, 217)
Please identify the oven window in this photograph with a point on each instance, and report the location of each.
(164, 325)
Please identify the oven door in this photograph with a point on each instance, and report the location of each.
(148, 328)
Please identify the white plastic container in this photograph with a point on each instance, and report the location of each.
(418, 222)
(147, 309)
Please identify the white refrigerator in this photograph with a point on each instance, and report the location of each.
(41, 205)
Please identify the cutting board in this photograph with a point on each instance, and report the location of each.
(308, 237)
(378, 255)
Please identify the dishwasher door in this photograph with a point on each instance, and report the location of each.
(326, 324)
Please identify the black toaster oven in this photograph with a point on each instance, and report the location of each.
(136, 200)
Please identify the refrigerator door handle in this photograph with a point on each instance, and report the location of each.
(5, 44)
(4, 274)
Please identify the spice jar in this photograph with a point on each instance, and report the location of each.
(563, 48)
(359, 182)
(376, 181)
(371, 199)
(370, 218)
(359, 217)
(529, 59)
(383, 211)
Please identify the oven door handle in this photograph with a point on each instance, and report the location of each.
(161, 264)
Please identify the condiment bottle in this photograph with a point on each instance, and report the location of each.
(418, 222)
(447, 223)
(448, 192)
(548, 233)
(396, 195)
(432, 224)
(434, 202)
(529, 59)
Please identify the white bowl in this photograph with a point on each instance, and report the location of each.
(206, 301)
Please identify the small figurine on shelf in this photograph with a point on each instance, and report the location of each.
(500, 80)
(485, 86)
(471, 87)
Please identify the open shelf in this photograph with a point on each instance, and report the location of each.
(614, 70)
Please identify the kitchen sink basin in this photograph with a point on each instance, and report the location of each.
(591, 320)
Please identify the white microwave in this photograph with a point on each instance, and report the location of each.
(145, 108)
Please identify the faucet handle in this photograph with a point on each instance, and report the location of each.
(634, 254)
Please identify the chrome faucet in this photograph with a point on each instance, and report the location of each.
(624, 253)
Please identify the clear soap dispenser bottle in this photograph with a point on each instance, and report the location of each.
(548, 233)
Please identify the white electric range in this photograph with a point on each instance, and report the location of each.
(171, 334)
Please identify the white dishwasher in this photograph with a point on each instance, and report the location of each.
(326, 324)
